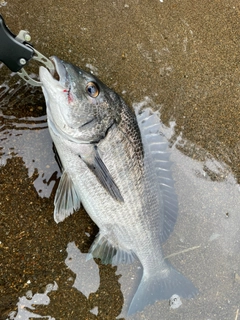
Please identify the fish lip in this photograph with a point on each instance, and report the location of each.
(60, 73)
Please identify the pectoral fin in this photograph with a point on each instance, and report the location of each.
(96, 165)
(67, 199)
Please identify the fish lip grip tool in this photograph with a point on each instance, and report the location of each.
(16, 52)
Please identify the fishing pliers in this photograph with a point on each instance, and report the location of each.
(16, 52)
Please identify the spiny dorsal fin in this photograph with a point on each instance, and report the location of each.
(157, 145)
(67, 199)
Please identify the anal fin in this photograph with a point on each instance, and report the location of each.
(110, 253)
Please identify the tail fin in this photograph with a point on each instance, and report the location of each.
(159, 287)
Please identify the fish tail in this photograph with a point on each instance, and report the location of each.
(161, 286)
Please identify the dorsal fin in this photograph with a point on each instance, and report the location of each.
(157, 145)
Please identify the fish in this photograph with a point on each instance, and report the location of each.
(116, 163)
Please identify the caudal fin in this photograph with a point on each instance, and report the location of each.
(159, 287)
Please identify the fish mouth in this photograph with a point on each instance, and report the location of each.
(60, 73)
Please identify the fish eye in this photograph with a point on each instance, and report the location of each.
(92, 89)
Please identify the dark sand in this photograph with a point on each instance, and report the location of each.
(184, 56)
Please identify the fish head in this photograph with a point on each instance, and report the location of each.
(79, 105)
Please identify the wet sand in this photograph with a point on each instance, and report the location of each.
(184, 56)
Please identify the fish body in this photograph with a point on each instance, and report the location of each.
(116, 163)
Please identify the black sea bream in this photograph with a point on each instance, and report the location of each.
(116, 164)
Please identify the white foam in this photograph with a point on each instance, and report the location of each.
(26, 302)
(84, 270)
(3, 3)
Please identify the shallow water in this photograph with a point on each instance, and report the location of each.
(181, 58)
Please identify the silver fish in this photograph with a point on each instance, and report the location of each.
(116, 164)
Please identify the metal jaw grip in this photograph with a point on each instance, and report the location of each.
(16, 52)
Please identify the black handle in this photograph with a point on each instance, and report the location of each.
(13, 53)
